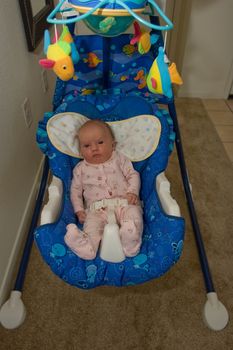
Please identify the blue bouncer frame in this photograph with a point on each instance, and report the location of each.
(196, 228)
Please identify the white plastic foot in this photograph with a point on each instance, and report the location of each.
(13, 312)
(111, 247)
(215, 314)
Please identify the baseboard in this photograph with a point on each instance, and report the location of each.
(6, 285)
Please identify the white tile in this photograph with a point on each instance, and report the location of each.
(221, 117)
(215, 105)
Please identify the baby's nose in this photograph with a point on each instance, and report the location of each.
(94, 146)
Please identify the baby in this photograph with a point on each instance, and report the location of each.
(103, 174)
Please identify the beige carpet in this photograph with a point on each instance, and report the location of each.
(162, 314)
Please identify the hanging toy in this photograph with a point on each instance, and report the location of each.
(161, 76)
(142, 38)
(61, 56)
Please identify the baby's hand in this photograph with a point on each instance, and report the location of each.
(81, 216)
(132, 198)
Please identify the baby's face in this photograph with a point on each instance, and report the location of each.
(95, 144)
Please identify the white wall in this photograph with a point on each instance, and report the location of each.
(208, 61)
(19, 155)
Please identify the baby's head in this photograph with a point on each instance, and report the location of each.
(96, 141)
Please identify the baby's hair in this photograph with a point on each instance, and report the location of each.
(100, 123)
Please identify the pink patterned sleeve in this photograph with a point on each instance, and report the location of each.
(131, 175)
(76, 190)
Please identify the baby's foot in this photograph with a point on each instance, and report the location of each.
(79, 242)
(130, 238)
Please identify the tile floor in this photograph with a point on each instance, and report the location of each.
(221, 114)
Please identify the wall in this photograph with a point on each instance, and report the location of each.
(208, 59)
(19, 158)
(162, 4)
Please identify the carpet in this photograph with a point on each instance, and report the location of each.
(162, 314)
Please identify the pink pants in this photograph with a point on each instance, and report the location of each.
(85, 244)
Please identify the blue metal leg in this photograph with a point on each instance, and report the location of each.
(192, 211)
(27, 248)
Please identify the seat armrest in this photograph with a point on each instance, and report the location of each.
(168, 203)
(51, 210)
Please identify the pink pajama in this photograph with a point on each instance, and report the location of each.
(85, 244)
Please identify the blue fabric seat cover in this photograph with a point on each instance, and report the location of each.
(163, 235)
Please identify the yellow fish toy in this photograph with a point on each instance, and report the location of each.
(61, 55)
(161, 76)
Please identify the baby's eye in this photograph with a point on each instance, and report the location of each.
(100, 142)
(86, 146)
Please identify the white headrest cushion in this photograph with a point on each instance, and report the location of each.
(136, 137)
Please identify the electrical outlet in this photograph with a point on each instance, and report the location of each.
(44, 81)
(26, 107)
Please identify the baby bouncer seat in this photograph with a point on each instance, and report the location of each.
(109, 84)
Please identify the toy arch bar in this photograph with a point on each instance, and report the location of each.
(99, 10)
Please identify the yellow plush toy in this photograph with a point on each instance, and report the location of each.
(161, 76)
(61, 56)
